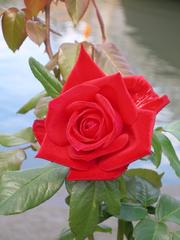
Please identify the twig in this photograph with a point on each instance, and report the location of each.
(100, 20)
(47, 42)
(25, 148)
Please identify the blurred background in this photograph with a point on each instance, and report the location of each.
(147, 34)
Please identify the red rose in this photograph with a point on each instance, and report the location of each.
(99, 124)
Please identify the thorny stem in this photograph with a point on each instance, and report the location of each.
(47, 42)
(100, 20)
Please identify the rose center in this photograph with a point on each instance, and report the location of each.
(89, 127)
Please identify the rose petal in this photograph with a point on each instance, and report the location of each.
(57, 154)
(39, 130)
(84, 70)
(117, 145)
(95, 173)
(114, 89)
(143, 94)
(139, 145)
(57, 116)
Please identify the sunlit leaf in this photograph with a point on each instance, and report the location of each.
(148, 229)
(110, 59)
(22, 137)
(173, 128)
(31, 103)
(13, 27)
(169, 152)
(149, 175)
(23, 190)
(11, 160)
(168, 209)
(51, 84)
(42, 107)
(76, 9)
(35, 6)
(36, 31)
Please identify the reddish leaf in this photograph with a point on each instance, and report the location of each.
(13, 27)
(35, 5)
(76, 9)
(36, 31)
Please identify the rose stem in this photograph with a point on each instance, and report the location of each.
(100, 20)
(91, 237)
(120, 230)
(47, 41)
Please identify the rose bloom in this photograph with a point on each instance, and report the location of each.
(99, 124)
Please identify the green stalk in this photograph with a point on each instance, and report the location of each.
(91, 237)
(120, 230)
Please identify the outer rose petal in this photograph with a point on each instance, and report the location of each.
(95, 173)
(57, 116)
(57, 154)
(84, 70)
(143, 94)
(39, 130)
(139, 143)
(114, 89)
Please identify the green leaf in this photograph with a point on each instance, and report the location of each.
(51, 84)
(68, 54)
(168, 209)
(23, 190)
(86, 197)
(148, 229)
(149, 175)
(141, 191)
(157, 154)
(174, 129)
(110, 195)
(84, 208)
(169, 152)
(42, 107)
(103, 228)
(132, 212)
(22, 137)
(31, 103)
(110, 59)
(13, 27)
(66, 234)
(76, 9)
(176, 235)
(11, 160)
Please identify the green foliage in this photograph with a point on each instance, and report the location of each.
(85, 200)
(42, 107)
(11, 160)
(23, 190)
(149, 229)
(168, 209)
(132, 212)
(22, 137)
(49, 82)
(176, 235)
(31, 103)
(141, 191)
(157, 154)
(76, 9)
(151, 176)
(13, 27)
(173, 128)
(169, 152)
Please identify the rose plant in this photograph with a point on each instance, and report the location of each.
(93, 119)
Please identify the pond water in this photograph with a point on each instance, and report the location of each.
(148, 35)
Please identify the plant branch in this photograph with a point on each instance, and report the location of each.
(120, 230)
(100, 20)
(48, 42)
